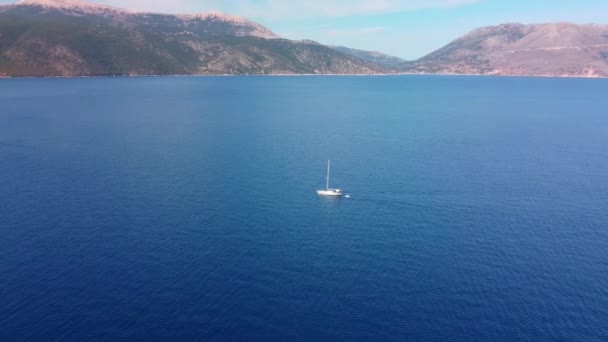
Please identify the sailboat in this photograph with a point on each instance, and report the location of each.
(327, 191)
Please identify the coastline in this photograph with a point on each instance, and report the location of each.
(307, 75)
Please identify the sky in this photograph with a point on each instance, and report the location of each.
(405, 28)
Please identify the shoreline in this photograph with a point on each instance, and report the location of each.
(308, 75)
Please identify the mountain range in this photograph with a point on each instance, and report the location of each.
(73, 37)
(78, 38)
(553, 49)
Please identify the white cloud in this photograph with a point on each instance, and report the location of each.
(281, 9)
(357, 32)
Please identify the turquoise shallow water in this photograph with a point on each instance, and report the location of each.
(172, 209)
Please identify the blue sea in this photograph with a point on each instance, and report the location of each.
(185, 209)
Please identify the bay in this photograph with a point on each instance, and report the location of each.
(184, 208)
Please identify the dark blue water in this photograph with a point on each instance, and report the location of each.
(184, 209)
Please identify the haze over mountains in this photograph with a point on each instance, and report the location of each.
(74, 37)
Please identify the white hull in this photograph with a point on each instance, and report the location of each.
(330, 192)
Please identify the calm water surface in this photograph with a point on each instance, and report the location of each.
(176, 209)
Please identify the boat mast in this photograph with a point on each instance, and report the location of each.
(327, 185)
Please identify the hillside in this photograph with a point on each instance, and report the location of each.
(378, 58)
(555, 49)
(73, 37)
